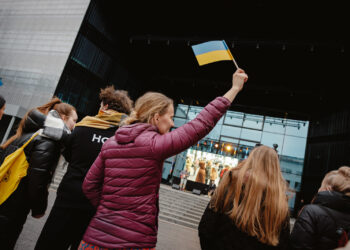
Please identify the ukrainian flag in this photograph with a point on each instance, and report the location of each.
(212, 51)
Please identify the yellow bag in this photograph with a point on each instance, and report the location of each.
(12, 170)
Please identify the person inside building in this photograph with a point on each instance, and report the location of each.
(72, 211)
(124, 181)
(184, 174)
(2, 106)
(42, 154)
(249, 209)
(325, 223)
(201, 174)
(213, 175)
(207, 171)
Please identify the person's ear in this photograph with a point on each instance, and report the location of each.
(156, 117)
(64, 117)
(104, 107)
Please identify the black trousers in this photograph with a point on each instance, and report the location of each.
(10, 229)
(64, 228)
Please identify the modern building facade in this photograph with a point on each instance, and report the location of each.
(232, 139)
(72, 48)
(36, 38)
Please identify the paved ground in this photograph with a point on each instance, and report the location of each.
(170, 236)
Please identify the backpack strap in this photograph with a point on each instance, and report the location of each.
(30, 139)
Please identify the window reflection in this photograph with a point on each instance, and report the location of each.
(234, 118)
(274, 125)
(181, 110)
(233, 138)
(253, 121)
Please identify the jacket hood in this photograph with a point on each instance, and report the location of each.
(34, 121)
(128, 133)
(334, 200)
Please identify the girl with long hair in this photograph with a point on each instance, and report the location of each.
(42, 154)
(249, 209)
(123, 183)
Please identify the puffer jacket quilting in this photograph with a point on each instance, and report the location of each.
(123, 183)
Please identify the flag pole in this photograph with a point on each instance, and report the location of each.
(233, 60)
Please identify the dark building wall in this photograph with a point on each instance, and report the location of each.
(328, 148)
(93, 64)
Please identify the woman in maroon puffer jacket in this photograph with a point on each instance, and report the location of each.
(123, 183)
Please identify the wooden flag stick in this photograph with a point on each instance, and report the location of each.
(233, 59)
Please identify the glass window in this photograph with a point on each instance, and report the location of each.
(250, 134)
(193, 112)
(275, 125)
(269, 139)
(215, 133)
(253, 121)
(297, 128)
(181, 111)
(294, 146)
(231, 131)
(178, 122)
(229, 139)
(166, 169)
(233, 118)
(244, 144)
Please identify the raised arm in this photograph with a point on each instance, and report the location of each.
(185, 136)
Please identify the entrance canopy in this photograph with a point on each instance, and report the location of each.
(295, 52)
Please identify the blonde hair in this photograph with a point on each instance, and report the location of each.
(338, 180)
(147, 106)
(253, 195)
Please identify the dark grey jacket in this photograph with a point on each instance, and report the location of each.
(316, 228)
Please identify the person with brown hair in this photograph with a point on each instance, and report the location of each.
(325, 223)
(42, 154)
(213, 175)
(201, 175)
(123, 183)
(71, 211)
(249, 208)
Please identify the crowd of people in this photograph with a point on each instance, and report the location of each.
(109, 196)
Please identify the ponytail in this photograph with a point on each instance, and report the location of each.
(147, 106)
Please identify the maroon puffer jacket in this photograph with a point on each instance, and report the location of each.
(123, 183)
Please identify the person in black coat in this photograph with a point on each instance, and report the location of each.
(318, 224)
(42, 154)
(72, 211)
(249, 208)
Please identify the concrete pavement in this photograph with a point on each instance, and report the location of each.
(170, 236)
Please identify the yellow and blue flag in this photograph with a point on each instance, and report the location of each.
(212, 51)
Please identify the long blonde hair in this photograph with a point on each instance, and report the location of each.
(147, 106)
(253, 195)
(338, 180)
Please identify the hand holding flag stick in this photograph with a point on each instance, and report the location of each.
(213, 51)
